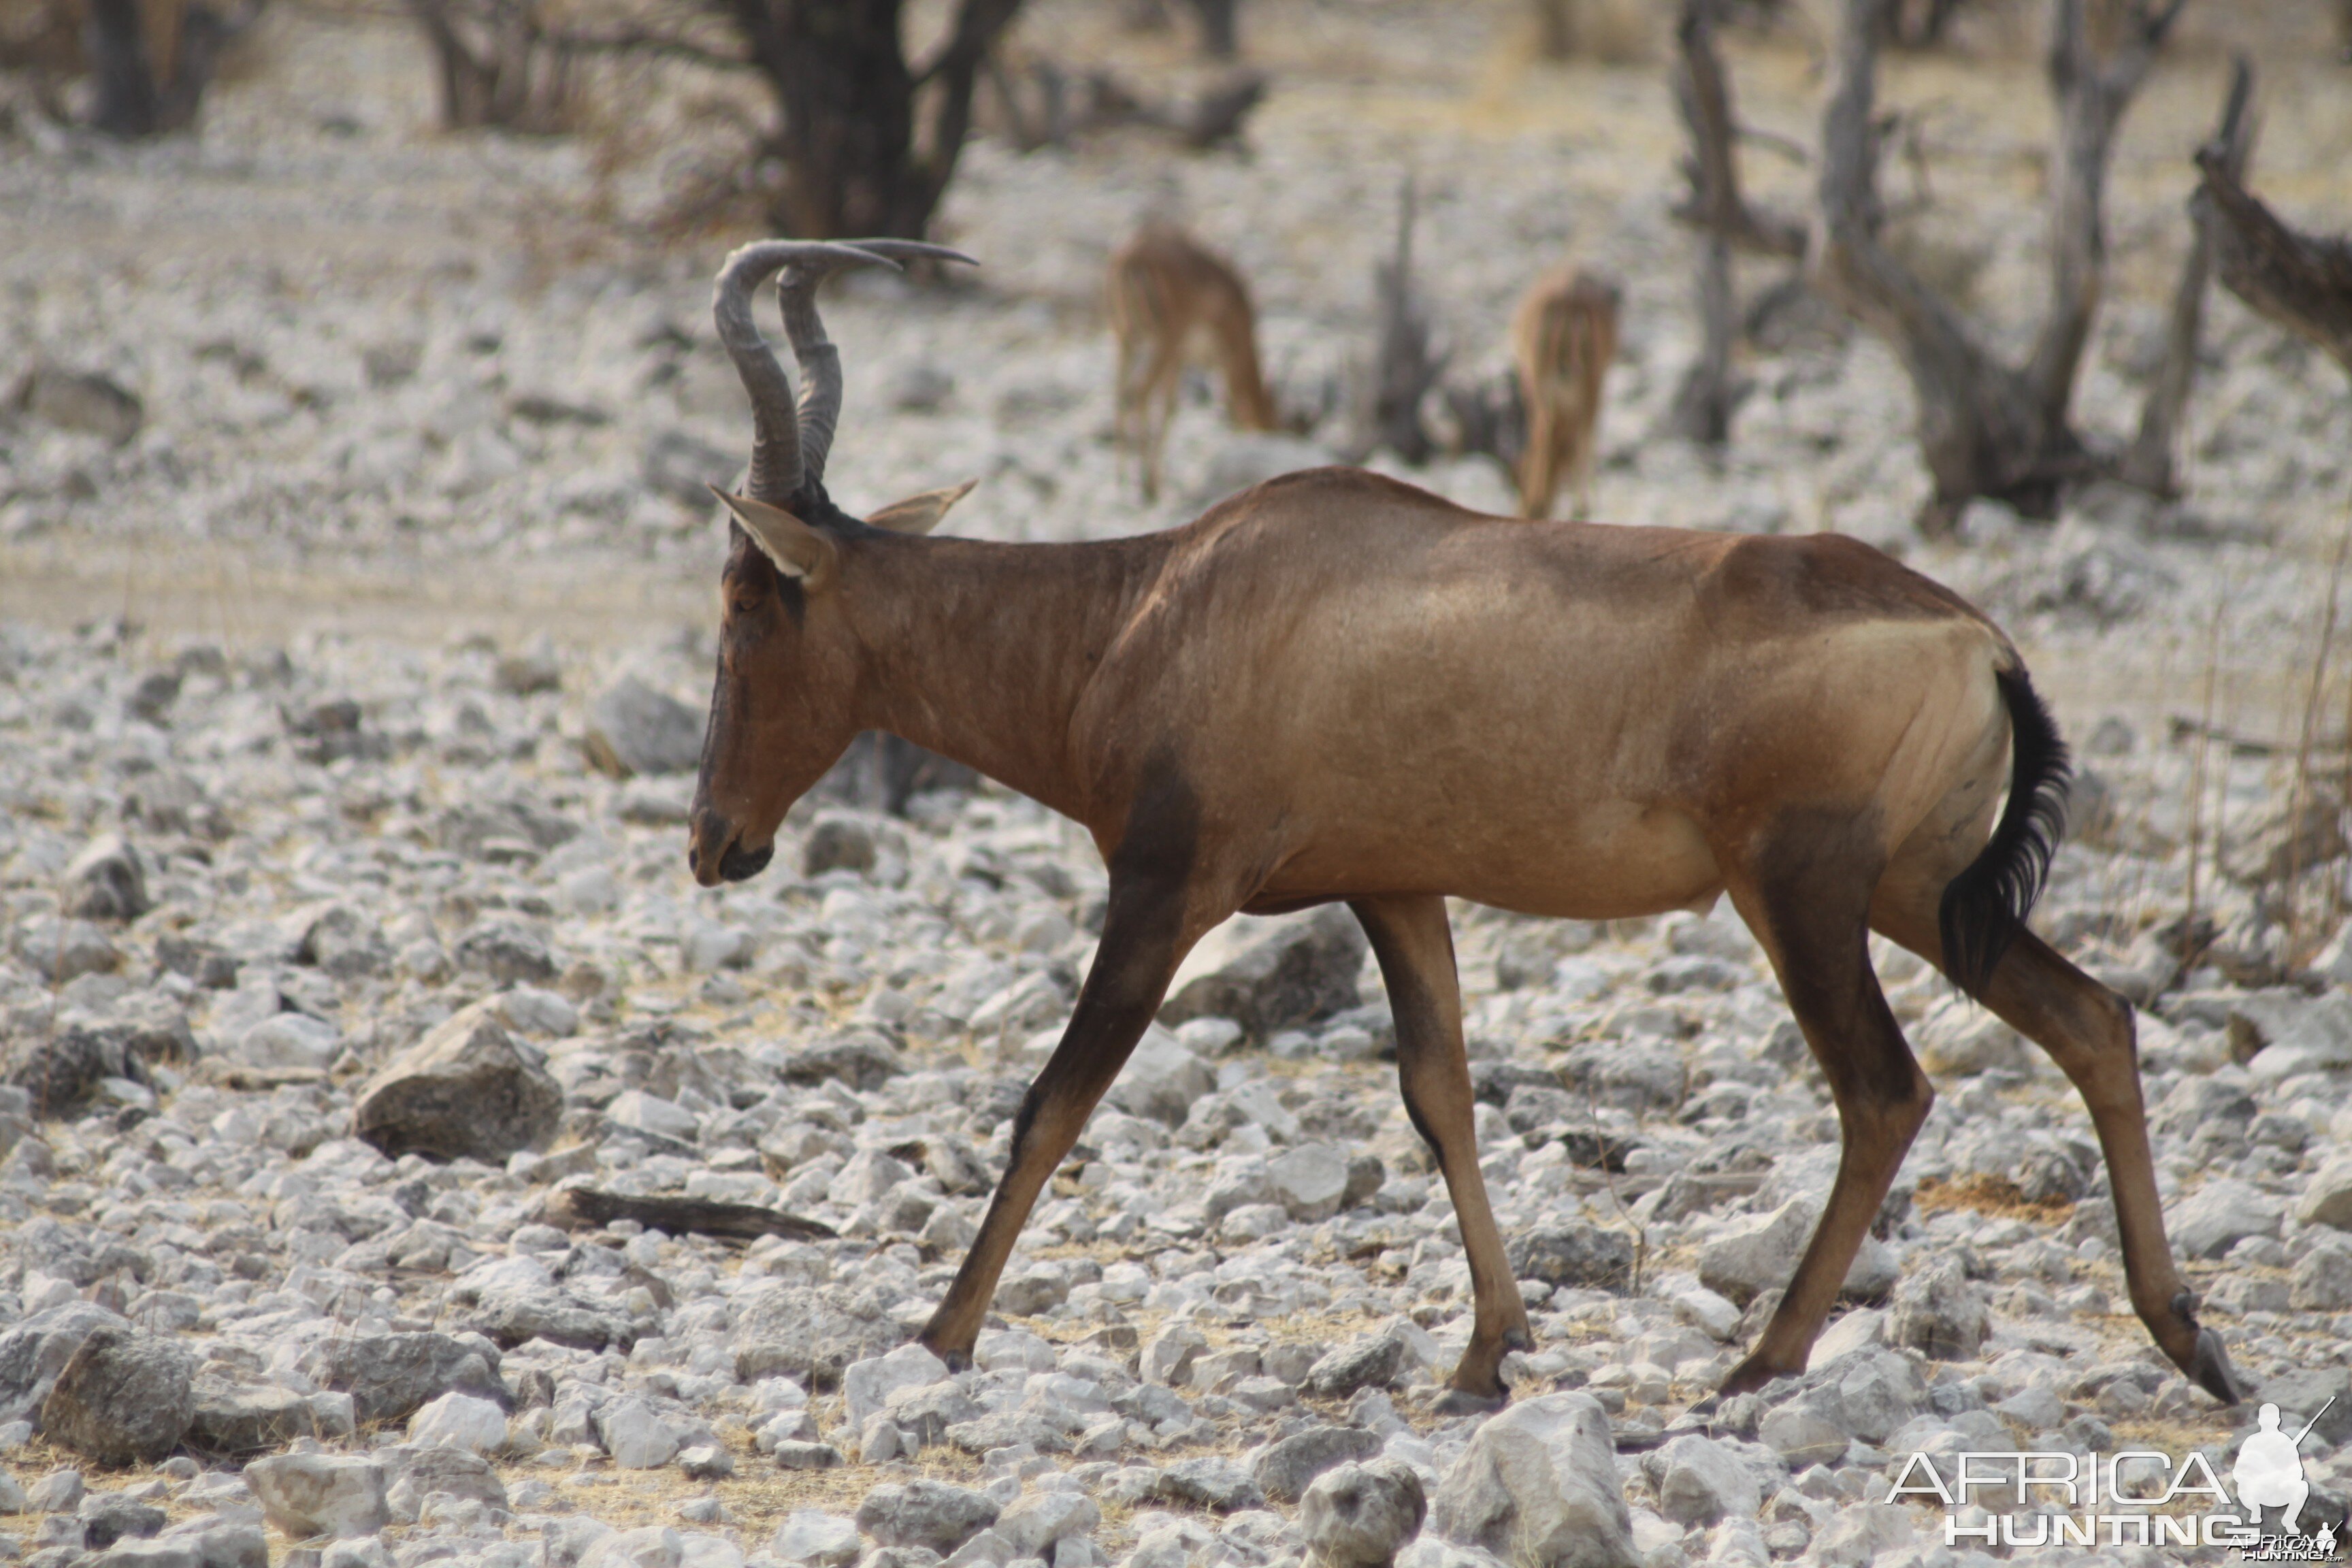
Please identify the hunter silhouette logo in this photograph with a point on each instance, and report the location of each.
(2269, 1471)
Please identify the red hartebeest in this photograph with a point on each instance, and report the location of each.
(1338, 687)
(1563, 337)
(1165, 289)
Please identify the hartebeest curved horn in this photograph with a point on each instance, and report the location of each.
(820, 362)
(777, 467)
(789, 447)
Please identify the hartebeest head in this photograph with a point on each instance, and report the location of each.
(782, 708)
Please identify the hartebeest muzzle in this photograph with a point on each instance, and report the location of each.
(715, 853)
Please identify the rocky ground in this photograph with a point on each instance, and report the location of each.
(402, 1161)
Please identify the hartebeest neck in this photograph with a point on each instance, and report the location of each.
(980, 651)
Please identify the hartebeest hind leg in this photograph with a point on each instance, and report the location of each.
(2086, 1028)
(1415, 948)
(1806, 897)
(1146, 933)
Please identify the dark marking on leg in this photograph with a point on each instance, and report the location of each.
(1144, 938)
(1805, 888)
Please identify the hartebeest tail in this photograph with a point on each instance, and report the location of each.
(1985, 905)
(1336, 688)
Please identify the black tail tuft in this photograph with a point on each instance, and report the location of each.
(1985, 905)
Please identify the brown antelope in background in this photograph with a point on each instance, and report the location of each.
(1563, 337)
(1165, 291)
(1335, 687)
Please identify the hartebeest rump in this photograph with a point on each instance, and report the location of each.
(1338, 687)
(1563, 337)
(1165, 291)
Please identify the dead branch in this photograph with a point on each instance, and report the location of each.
(1709, 394)
(1039, 104)
(2092, 94)
(1555, 29)
(1406, 365)
(1985, 428)
(1704, 96)
(1220, 27)
(2298, 281)
(499, 64)
(149, 64)
(579, 1208)
(1489, 419)
(657, 43)
(1919, 24)
(2148, 463)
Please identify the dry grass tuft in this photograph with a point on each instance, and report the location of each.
(1994, 1195)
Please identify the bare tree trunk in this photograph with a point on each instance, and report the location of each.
(1405, 366)
(1704, 96)
(115, 43)
(498, 63)
(869, 143)
(1555, 29)
(1220, 27)
(1984, 428)
(2092, 96)
(1709, 394)
(2302, 283)
(2148, 463)
(152, 62)
(1919, 24)
(1490, 419)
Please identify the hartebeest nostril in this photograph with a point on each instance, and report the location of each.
(708, 843)
(739, 864)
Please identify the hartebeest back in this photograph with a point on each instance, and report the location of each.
(1563, 338)
(1335, 687)
(1165, 291)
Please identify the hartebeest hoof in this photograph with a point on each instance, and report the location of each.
(958, 1358)
(2209, 1368)
(2205, 1362)
(1468, 1401)
(1752, 1374)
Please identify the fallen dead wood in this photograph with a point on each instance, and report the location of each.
(2302, 282)
(2187, 726)
(222, 1073)
(585, 1209)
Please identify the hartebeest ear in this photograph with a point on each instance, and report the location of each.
(920, 513)
(798, 549)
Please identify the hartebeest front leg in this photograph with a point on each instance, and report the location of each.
(1807, 903)
(1145, 936)
(1415, 948)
